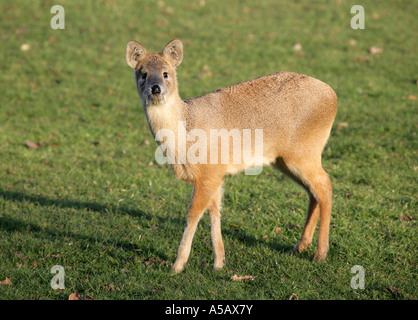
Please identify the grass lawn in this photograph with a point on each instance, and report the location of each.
(80, 188)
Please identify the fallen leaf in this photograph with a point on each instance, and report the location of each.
(162, 22)
(110, 287)
(269, 35)
(21, 30)
(361, 59)
(395, 291)
(205, 75)
(400, 259)
(297, 47)
(342, 125)
(31, 144)
(20, 255)
(375, 50)
(249, 37)
(412, 97)
(74, 296)
(240, 278)
(25, 47)
(6, 282)
(294, 295)
(406, 217)
(278, 230)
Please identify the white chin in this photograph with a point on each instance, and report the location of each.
(155, 100)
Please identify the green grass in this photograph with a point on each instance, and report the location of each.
(89, 200)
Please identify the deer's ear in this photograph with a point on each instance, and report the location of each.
(135, 52)
(173, 51)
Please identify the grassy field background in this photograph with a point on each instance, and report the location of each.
(79, 186)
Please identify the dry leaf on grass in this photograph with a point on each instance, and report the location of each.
(375, 50)
(74, 296)
(297, 47)
(278, 230)
(25, 47)
(240, 278)
(412, 97)
(20, 255)
(294, 295)
(406, 217)
(342, 125)
(32, 145)
(10, 171)
(6, 282)
(361, 59)
(352, 42)
(395, 291)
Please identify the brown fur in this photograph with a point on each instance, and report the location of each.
(295, 111)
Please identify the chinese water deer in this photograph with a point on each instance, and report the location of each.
(293, 112)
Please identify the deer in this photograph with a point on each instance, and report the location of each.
(294, 111)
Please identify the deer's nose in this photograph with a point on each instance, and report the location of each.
(155, 89)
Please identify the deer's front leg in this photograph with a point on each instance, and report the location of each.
(215, 220)
(202, 195)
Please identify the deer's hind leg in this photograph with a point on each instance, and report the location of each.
(311, 176)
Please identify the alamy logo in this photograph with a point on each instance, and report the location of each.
(196, 147)
(357, 282)
(58, 20)
(58, 281)
(357, 22)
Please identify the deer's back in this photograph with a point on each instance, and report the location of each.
(279, 102)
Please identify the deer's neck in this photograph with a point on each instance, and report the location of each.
(166, 116)
(168, 125)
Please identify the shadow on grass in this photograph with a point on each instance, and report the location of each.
(252, 241)
(62, 203)
(10, 224)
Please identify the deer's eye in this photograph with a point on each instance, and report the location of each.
(165, 74)
(144, 76)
